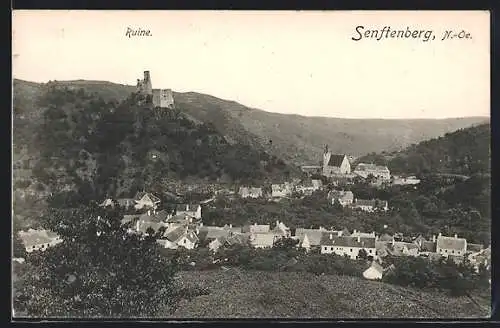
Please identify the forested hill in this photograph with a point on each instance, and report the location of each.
(465, 152)
(115, 148)
(294, 138)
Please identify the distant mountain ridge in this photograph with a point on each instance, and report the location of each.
(297, 139)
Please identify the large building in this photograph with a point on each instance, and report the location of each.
(380, 172)
(162, 98)
(335, 164)
(346, 245)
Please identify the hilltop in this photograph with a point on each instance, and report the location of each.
(294, 138)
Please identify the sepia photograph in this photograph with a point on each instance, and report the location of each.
(193, 165)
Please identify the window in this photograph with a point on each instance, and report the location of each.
(331, 248)
(446, 251)
(453, 252)
(351, 250)
(370, 251)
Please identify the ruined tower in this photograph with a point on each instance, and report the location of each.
(147, 86)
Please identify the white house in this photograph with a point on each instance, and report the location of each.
(250, 192)
(262, 240)
(193, 210)
(347, 245)
(374, 272)
(281, 190)
(35, 240)
(345, 198)
(405, 180)
(371, 205)
(180, 236)
(380, 172)
(145, 199)
(451, 245)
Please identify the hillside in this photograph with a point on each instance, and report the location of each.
(462, 152)
(256, 294)
(294, 138)
(100, 148)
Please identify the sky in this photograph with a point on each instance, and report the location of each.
(292, 62)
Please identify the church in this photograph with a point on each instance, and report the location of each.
(335, 164)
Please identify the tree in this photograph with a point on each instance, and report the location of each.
(362, 254)
(99, 270)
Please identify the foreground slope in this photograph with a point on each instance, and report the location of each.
(256, 294)
(295, 138)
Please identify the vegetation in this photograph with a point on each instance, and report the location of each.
(462, 152)
(431, 207)
(458, 279)
(105, 148)
(294, 138)
(236, 293)
(99, 270)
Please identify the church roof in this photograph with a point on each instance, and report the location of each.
(336, 160)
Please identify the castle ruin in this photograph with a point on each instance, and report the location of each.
(162, 98)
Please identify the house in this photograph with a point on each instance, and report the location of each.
(193, 210)
(211, 233)
(180, 236)
(428, 247)
(281, 190)
(347, 245)
(386, 238)
(399, 248)
(382, 249)
(374, 272)
(370, 205)
(304, 243)
(345, 198)
(250, 192)
(335, 164)
(262, 240)
(141, 222)
(256, 228)
(356, 233)
(313, 237)
(107, 202)
(483, 257)
(228, 241)
(317, 184)
(311, 169)
(451, 245)
(419, 240)
(474, 248)
(405, 181)
(380, 172)
(126, 202)
(144, 199)
(34, 240)
(281, 230)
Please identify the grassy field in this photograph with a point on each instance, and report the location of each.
(242, 294)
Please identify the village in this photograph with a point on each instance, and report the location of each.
(183, 227)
